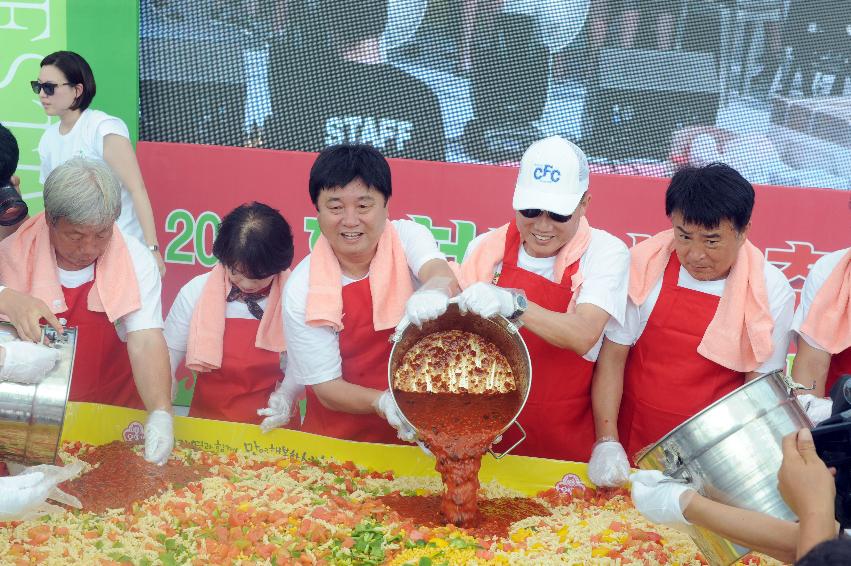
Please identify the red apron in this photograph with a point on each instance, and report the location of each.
(243, 383)
(840, 364)
(365, 353)
(102, 372)
(558, 417)
(665, 380)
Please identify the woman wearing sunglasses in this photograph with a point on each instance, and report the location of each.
(66, 87)
(564, 280)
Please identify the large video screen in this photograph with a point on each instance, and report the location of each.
(643, 86)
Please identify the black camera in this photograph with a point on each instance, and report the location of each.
(832, 438)
(13, 209)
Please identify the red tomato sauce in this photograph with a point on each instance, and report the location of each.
(458, 428)
(494, 517)
(123, 477)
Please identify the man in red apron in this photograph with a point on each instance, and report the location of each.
(706, 313)
(75, 259)
(823, 326)
(343, 301)
(228, 323)
(564, 280)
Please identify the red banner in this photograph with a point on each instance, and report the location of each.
(192, 186)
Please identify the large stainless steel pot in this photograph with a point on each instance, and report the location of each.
(502, 332)
(731, 451)
(31, 416)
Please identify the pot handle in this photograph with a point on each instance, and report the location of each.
(793, 385)
(513, 446)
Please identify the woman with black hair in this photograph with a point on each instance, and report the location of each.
(228, 323)
(65, 88)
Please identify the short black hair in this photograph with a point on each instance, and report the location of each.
(828, 553)
(710, 194)
(352, 21)
(76, 71)
(255, 239)
(338, 165)
(9, 154)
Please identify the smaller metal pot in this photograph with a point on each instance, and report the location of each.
(731, 451)
(504, 333)
(31, 416)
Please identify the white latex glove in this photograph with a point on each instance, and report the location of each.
(27, 363)
(609, 466)
(387, 408)
(817, 408)
(660, 501)
(24, 495)
(424, 305)
(280, 408)
(159, 437)
(486, 300)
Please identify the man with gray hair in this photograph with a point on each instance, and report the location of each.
(563, 280)
(75, 258)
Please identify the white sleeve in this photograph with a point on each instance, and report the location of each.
(818, 274)
(781, 300)
(419, 244)
(313, 353)
(108, 125)
(150, 291)
(628, 332)
(180, 316)
(44, 157)
(606, 273)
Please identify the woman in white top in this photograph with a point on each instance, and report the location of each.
(66, 87)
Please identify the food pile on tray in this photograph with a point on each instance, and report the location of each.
(206, 508)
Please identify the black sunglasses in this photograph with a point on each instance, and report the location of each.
(49, 88)
(536, 212)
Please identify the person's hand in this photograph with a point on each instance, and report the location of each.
(387, 408)
(159, 437)
(279, 411)
(19, 494)
(160, 263)
(659, 498)
(486, 300)
(609, 466)
(25, 362)
(817, 408)
(25, 313)
(424, 305)
(804, 481)
(24, 495)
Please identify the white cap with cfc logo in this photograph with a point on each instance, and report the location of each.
(553, 176)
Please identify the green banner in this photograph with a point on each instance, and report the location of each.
(28, 32)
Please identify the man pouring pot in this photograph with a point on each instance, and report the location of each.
(564, 280)
(75, 259)
(343, 301)
(706, 313)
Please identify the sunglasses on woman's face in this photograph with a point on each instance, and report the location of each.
(536, 212)
(48, 88)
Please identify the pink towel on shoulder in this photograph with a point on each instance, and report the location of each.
(479, 266)
(389, 283)
(207, 327)
(28, 265)
(739, 335)
(829, 319)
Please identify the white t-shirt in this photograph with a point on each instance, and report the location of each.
(150, 289)
(819, 273)
(86, 140)
(604, 267)
(781, 301)
(180, 316)
(313, 353)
